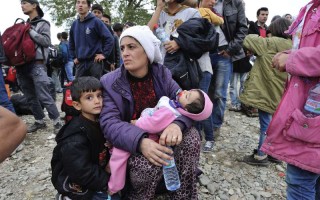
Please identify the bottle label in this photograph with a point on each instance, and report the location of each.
(170, 164)
(312, 106)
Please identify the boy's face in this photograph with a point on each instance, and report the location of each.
(90, 104)
(82, 7)
(188, 96)
(97, 13)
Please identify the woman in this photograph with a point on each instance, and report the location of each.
(292, 137)
(137, 84)
(264, 87)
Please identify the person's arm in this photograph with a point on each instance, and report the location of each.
(64, 50)
(71, 43)
(77, 163)
(12, 132)
(156, 15)
(41, 34)
(255, 44)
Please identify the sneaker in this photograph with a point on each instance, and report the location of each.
(208, 147)
(256, 160)
(216, 132)
(36, 126)
(274, 160)
(57, 127)
(235, 108)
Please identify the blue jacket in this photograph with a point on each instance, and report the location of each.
(66, 56)
(118, 106)
(88, 38)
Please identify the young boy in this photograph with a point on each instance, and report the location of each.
(80, 157)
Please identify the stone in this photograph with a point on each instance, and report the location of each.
(204, 180)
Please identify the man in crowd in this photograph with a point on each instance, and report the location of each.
(90, 42)
(259, 27)
(32, 77)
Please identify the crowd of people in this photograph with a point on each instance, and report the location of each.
(136, 111)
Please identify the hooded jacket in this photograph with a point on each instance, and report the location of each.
(264, 86)
(79, 159)
(292, 137)
(89, 37)
(118, 106)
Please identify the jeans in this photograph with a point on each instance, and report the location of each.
(4, 99)
(301, 183)
(222, 68)
(233, 90)
(69, 70)
(104, 196)
(90, 68)
(207, 123)
(34, 82)
(264, 120)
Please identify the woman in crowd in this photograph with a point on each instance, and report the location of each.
(139, 83)
(292, 136)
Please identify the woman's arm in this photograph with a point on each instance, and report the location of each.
(156, 15)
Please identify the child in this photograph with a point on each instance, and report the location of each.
(80, 157)
(194, 104)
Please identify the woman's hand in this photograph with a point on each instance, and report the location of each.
(155, 152)
(171, 136)
(279, 61)
(160, 4)
(171, 46)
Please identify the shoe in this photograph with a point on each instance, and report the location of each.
(235, 108)
(57, 127)
(274, 160)
(216, 132)
(36, 126)
(256, 160)
(208, 147)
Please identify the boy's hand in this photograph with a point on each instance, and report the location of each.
(133, 122)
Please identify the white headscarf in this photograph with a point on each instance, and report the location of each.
(147, 39)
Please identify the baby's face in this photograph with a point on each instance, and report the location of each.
(188, 96)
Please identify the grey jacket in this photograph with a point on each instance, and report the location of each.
(235, 27)
(40, 34)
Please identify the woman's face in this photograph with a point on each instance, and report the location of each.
(134, 57)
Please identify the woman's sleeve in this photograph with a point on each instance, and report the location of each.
(255, 44)
(119, 132)
(304, 62)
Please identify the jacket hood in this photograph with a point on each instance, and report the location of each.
(88, 17)
(282, 44)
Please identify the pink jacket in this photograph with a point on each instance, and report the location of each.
(292, 137)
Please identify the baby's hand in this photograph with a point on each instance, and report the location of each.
(133, 122)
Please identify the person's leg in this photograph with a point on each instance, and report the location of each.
(69, 70)
(243, 77)
(301, 183)
(96, 69)
(56, 80)
(221, 75)
(318, 189)
(233, 89)
(4, 99)
(264, 120)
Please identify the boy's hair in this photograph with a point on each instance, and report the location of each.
(107, 16)
(117, 27)
(88, 2)
(262, 9)
(97, 7)
(64, 35)
(84, 84)
(278, 28)
(197, 106)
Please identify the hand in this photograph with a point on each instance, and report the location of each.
(160, 4)
(76, 61)
(249, 53)
(99, 57)
(112, 67)
(133, 122)
(171, 46)
(171, 136)
(224, 53)
(155, 152)
(279, 61)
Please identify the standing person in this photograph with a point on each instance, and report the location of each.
(97, 10)
(265, 85)
(4, 99)
(56, 67)
(32, 77)
(137, 84)
(259, 27)
(231, 35)
(90, 42)
(67, 59)
(293, 137)
(79, 160)
(117, 29)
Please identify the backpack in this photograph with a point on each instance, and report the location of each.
(18, 46)
(66, 105)
(55, 56)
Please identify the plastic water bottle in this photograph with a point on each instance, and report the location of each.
(161, 34)
(171, 175)
(312, 106)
